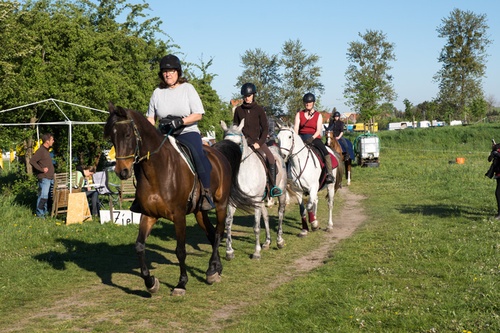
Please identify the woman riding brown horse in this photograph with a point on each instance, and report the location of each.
(167, 187)
(346, 159)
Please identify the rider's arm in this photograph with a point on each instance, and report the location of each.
(296, 126)
(192, 118)
(319, 126)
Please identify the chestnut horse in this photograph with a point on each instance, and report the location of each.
(346, 158)
(168, 187)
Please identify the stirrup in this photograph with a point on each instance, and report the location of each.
(276, 192)
(207, 202)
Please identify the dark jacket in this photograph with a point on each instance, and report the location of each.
(256, 125)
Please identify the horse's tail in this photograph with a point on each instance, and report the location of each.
(237, 197)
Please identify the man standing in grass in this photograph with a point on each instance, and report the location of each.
(44, 170)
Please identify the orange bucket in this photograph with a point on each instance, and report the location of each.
(460, 160)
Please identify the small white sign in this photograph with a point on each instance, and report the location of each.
(121, 217)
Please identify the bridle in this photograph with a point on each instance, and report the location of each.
(291, 155)
(138, 142)
(289, 151)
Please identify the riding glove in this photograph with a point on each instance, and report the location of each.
(176, 123)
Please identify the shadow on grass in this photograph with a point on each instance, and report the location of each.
(442, 210)
(105, 260)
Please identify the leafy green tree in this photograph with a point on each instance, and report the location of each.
(78, 52)
(301, 75)
(262, 70)
(368, 80)
(410, 110)
(215, 109)
(463, 59)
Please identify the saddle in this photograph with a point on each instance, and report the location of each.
(321, 159)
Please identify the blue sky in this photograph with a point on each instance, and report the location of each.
(224, 30)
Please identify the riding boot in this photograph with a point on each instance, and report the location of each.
(207, 202)
(275, 191)
(329, 177)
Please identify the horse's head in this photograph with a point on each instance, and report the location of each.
(233, 133)
(122, 130)
(288, 141)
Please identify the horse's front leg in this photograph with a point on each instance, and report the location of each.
(229, 238)
(347, 167)
(331, 198)
(145, 226)
(303, 215)
(260, 210)
(312, 206)
(281, 213)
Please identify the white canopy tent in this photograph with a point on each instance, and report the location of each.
(66, 121)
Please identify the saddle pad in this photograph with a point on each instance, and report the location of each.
(173, 142)
(335, 163)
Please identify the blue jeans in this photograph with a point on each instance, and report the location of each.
(44, 190)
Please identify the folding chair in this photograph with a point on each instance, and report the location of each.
(127, 190)
(60, 194)
(104, 187)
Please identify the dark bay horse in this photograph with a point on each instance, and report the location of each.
(346, 158)
(168, 188)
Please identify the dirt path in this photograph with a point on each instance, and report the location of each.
(351, 217)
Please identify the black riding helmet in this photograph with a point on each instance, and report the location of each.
(170, 62)
(336, 114)
(308, 98)
(248, 89)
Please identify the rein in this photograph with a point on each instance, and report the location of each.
(292, 155)
(138, 140)
(241, 145)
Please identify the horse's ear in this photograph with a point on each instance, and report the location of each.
(111, 107)
(223, 125)
(242, 124)
(278, 124)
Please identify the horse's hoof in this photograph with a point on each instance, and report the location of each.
(303, 233)
(329, 228)
(178, 292)
(155, 287)
(211, 279)
(281, 244)
(229, 255)
(256, 256)
(314, 225)
(265, 246)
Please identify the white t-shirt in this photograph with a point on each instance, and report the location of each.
(182, 101)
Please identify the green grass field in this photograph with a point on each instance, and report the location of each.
(427, 259)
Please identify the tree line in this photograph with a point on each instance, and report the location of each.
(89, 53)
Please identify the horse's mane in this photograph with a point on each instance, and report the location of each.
(119, 113)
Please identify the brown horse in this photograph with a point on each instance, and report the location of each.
(332, 142)
(167, 187)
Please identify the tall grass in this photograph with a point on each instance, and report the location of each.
(426, 260)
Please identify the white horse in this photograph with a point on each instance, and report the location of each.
(305, 169)
(252, 180)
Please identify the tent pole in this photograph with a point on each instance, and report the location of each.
(70, 158)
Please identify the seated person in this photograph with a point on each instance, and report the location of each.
(83, 180)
